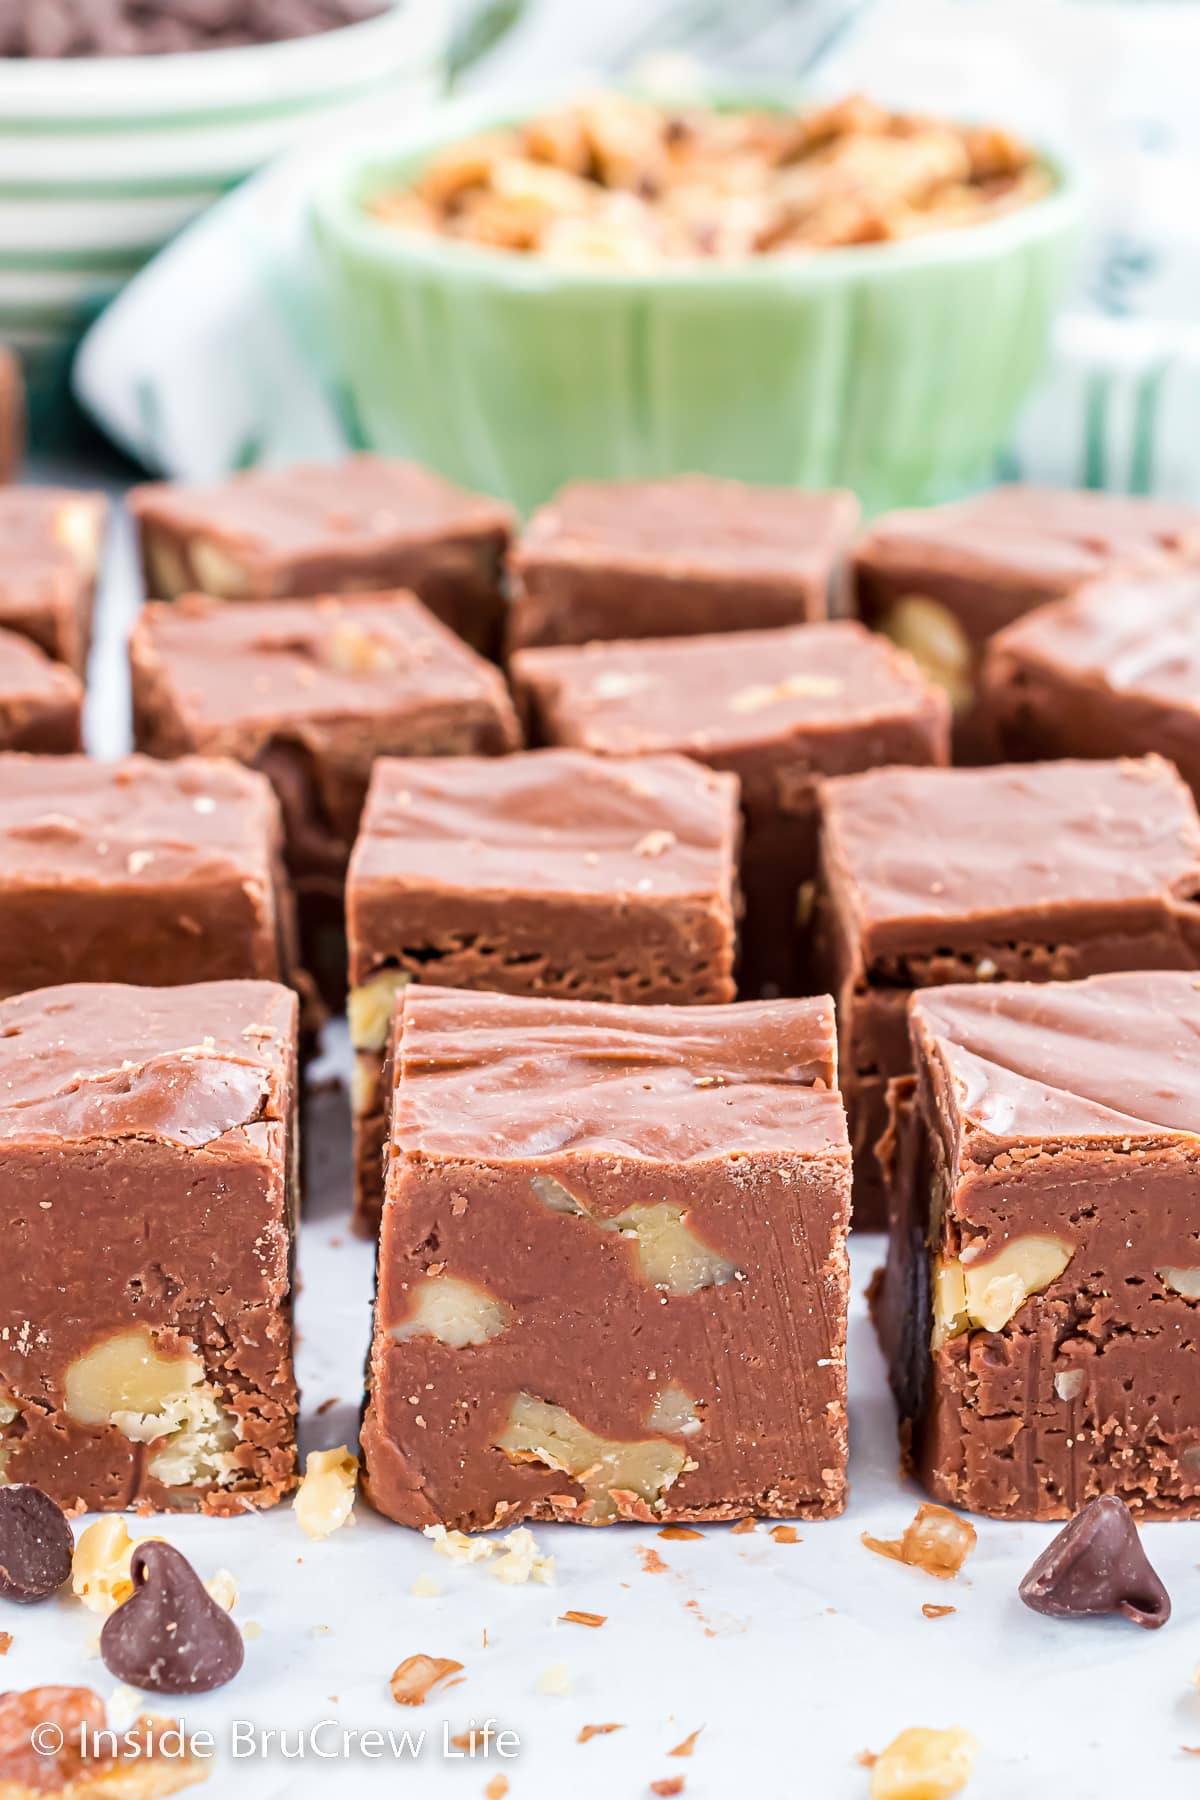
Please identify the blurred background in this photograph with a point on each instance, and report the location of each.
(171, 200)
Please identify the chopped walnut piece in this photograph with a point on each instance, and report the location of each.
(590, 1731)
(572, 1617)
(518, 1557)
(413, 1680)
(924, 1765)
(930, 1611)
(937, 1541)
(617, 1476)
(325, 1498)
(100, 1573)
(678, 1533)
(743, 1528)
(56, 1740)
(785, 1534)
(688, 1745)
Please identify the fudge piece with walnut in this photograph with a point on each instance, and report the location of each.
(612, 1270)
(49, 557)
(358, 526)
(147, 1155)
(942, 580)
(1039, 1306)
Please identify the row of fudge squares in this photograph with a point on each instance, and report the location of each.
(687, 556)
(659, 1192)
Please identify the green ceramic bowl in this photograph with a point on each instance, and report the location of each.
(893, 369)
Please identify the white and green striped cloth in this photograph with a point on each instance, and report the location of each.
(216, 355)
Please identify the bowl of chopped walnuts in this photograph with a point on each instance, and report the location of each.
(616, 286)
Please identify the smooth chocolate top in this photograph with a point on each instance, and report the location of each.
(279, 662)
(709, 694)
(1128, 635)
(1038, 843)
(363, 502)
(27, 673)
(548, 822)
(692, 524)
(499, 1077)
(1040, 538)
(1115, 1056)
(181, 1065)
(138, 823)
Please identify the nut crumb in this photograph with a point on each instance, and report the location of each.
(6, 1642)
(413, 1680)
(678, 1533)
(590, 1731)
(224, 1589)
(554, 1680)
(325, 1498)
(784, 1534)
(937, 1541)
(251, 1630)
(496, 1788)
(688, 1744)
(743, 1528)
(572, 1617)
(671, 1784)
(930, 1611)
(924, 1765)
(425, 1588)
(652, 1562)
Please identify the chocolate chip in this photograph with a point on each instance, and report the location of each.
(35, 1544)
(1097, 1565)
(170, 1636)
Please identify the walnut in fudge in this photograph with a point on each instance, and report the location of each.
(943, 580)
(41, 702)
(676, 558)
(49, 556)
(1113, 670)
(778, 709)
(1035, 872)
(311, 692)
(549, 873)
(53, 28)
(147, 1156)
(362, 525)
(163, 872)
(612, 1267)
(1039, 1304)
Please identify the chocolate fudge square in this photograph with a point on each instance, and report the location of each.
(1037, 872)
(1113, 670)
(676, 558)
(312, 692)
(778, 709)
(170, 872)
(612, 1271)
(547, 873)
(147, 1157)
(41, 702)
(49, 556)
(1039, 1305)
(942, 581)
(359, 525)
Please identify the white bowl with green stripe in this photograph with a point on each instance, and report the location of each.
(103, 159)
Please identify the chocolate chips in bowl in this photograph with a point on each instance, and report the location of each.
(60, 28)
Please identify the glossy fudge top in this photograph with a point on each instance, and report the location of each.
(913, 853)
(500, 1077)
(181, 1065)
(238, 661)
(548, 822)
(1042, 538)
(27, 673)
(1131, 636)
(707, 694)
(135, 823)
(1115, 1056)
(361, 503)
(691, 525)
